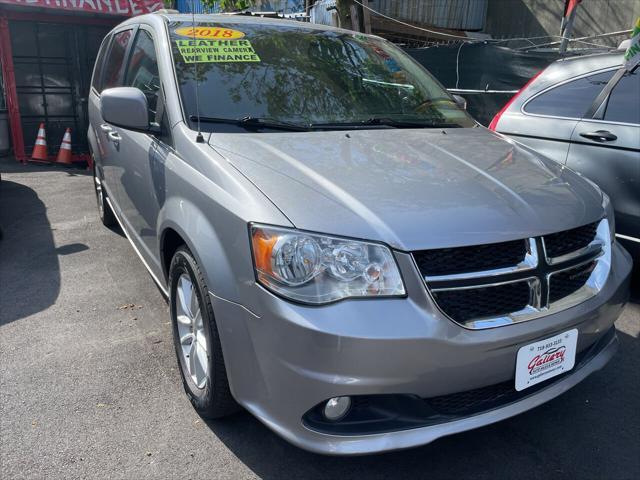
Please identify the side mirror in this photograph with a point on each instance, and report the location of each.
(460, 101)
(125, 107)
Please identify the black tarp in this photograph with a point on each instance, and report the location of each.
(482, 66)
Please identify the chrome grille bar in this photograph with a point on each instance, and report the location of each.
(538, 271)
(593, 248)
(529, 262)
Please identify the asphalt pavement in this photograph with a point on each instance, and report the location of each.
(89, 386)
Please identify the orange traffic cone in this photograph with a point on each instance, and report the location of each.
(40, 148)
(64, 154)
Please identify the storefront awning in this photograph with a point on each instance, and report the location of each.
(127, 8)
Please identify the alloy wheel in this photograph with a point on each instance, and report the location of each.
(193, 341)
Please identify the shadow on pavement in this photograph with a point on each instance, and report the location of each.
(117, 230)
(71, 249)
(26, 247)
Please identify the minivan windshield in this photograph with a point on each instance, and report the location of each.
(254, 76)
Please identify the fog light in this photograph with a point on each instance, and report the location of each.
(336, 408)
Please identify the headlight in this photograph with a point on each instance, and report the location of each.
(319, 269)
(608, 209)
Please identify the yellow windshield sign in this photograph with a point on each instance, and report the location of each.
(216, 51)
(211, 33)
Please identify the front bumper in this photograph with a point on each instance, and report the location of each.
(283, 359)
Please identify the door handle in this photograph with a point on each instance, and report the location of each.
(105, 127)
(599, 136)
(114, 137)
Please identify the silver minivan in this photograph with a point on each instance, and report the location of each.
(347, 254)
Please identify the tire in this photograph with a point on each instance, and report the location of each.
(207, 389)
(107, 217)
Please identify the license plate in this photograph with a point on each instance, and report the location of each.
(545, 359)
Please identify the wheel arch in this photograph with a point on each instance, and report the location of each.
(182, 223)
(224, 257)
(170, 241)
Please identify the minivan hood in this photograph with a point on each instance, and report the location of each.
(412, 188)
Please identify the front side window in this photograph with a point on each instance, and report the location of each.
(96, 81)
(624, 100)
(142, 72)
(303, 76)
(115, 60)
(572, 99)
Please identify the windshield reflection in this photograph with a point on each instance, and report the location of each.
(306, 76)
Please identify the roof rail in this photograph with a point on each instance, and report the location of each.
(256, 14)
(247, 13)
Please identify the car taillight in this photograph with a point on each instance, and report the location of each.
(496, 118)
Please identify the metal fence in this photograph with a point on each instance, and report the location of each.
(195, 6)
(451, 14)
(281, 6)
(323, 12)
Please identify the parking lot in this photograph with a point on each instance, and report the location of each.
(89, 386)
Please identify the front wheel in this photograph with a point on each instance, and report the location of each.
(196, 340)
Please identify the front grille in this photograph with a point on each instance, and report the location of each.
(482, 399)
(561, 243)
(475, 303)
(448, 261)
(563, 284)
(489, 285)
(472, 400)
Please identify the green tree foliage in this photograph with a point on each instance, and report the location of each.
(228, 5)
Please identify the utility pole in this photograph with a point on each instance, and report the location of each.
(366, 16)
(344, 12)
(355, 17)
(566, 27)
(567, 32)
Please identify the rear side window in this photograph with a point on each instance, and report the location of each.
(96, 81)
(571, 99)
(115, 60)
(142, 72)
(624, 100)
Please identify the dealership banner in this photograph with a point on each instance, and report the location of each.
(632, 55)
(127, 8)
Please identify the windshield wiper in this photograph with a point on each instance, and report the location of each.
(388, 122)
(254, 123)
